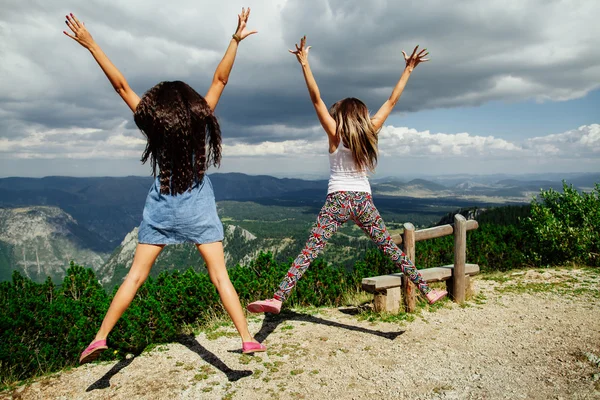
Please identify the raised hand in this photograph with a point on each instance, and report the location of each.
(80, 33)
(415, 58)
(302, 51)
(241, 32)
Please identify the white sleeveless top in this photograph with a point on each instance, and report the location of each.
(343, 174)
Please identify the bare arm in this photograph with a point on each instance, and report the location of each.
(326, 120)
(387, 107)
(224, 68)
(83, 37)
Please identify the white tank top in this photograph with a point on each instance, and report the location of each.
(343, 174)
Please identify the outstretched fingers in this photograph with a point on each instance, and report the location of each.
(69, 35)
(416, 58)
(71, 24)
(244, 15)
(76, 21)
(414, 51)
(301, 49)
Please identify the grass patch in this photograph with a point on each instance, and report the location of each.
(372, 316)
(291, 349)
(357, 298)
(592, 270)
(247, 359)
(531, 287)
(213, 321)
(479, 298)
(214, 335)
(273, 367)
(500, 278)
(256, 374)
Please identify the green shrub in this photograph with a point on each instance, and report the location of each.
(44, 327)
(564, 227)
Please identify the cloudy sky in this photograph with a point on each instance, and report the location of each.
(513, 86)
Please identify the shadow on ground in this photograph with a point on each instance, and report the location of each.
(191, 343)
(271, 322)
(104, 382)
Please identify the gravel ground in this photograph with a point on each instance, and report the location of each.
(525, 335)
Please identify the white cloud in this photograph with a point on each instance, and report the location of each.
(74, 143)
(120, 142)
(395, 141)
(581, 142)
(406, 142)
(292, 148)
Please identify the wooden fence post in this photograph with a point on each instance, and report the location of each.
(460, 256)
(408, 288)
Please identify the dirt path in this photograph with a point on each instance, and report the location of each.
(528, 337)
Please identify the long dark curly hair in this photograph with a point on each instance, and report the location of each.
(177, 122)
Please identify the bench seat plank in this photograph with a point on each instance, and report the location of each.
(437, 274)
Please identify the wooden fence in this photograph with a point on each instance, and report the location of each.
(390, 289)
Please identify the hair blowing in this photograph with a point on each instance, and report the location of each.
(177, 121)
(354, 127)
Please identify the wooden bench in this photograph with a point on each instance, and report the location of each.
(389, 290)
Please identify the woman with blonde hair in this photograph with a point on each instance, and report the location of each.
(352, 135)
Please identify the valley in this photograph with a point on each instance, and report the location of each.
(45, 223)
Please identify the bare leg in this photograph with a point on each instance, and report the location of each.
(145, 255)
(215, 264)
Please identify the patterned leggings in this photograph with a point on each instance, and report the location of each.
(338, 209)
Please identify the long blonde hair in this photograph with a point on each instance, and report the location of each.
(354, 128)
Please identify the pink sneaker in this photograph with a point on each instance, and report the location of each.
(272, 306)
(93, 351)
(253, 347)
(435, 295)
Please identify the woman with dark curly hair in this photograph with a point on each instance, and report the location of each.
(180, 206)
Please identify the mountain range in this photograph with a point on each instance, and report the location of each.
(46, 222)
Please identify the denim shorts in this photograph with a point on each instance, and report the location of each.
(190, 217)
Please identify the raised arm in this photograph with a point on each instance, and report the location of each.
(83, 37)
(224, 68)
(326, 120)
(387, 107)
